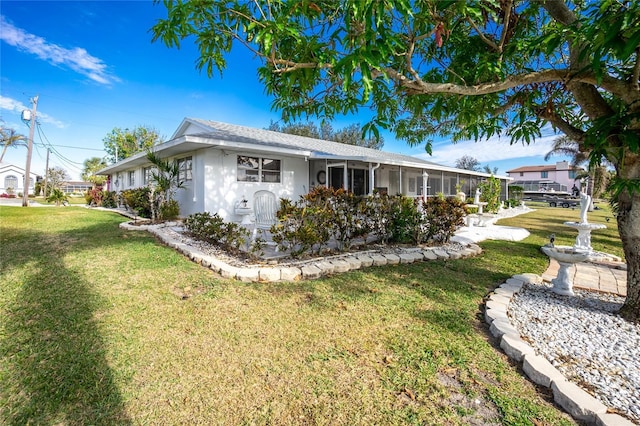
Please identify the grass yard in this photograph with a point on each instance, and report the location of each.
(104, 326)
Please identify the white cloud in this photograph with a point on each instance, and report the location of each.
(17, 107)
(491, 150)
(77, 58)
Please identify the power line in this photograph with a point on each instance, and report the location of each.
(76, 147)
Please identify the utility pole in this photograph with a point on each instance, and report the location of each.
(46, 173)
(27, 172)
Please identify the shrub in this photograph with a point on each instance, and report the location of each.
(57, 196)
(93, 197)
(442, 217)
(109, 199)
(214, 230)
(169, 210)
(138, 201)
(490, 189)
(300, 228)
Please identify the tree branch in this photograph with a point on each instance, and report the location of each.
(572, 132)
(421, 87)
(636, 72)
(505, 30)
(490, 43)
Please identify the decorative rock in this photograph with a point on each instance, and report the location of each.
(576, 402)
(216, 265)
(442, 254)
(500, 327)
(354, 262)
(476, 248)
(528, 278)
(248, 274)
(454, 254)
(311, 272)
(340, 265)
(290, 274)
(500, 298)
(492, 304)
(508, 293)
(607, 419)
(493, 314)
(378, 260)
(515, 348)
(365, 260)
(228, 271)
(325, 266)
(510, 287)
(392, 259)
(540, 370)
(406, 258)
(429, 255)
(417, 256)
(269, 274)
(467, 252)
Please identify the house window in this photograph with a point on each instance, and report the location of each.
(132, 178)
(521, 173)
(255, 169)
(572, 174)
(11, 182)
(147, 175)
(544, 174)
(185, 169)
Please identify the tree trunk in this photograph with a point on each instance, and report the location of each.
(629, 229)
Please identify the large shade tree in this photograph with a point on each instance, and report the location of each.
(350, 135)
(123, 143)
(466, 69)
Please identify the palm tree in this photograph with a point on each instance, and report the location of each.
(91, 166)
(596, 173)
(10, 138)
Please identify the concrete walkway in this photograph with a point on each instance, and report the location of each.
(605, 277)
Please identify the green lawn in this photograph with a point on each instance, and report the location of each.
(104, 326)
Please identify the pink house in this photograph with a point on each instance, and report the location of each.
(559, 177)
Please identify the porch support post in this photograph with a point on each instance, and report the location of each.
(372, 177)
(400, 179)
(425, 180)
(345, 177)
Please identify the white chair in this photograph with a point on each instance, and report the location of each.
(264, 209)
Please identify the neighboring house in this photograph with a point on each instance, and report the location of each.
(222, 164)
(549, 178)
(75, 187)
(12, 179)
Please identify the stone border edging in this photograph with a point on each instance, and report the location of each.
(308, 270)
(574, 400)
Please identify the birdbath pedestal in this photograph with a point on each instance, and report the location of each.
(566, 258)
(583, 240)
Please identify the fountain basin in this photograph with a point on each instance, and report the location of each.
(565, 254)
(566, 258)
(583, 240)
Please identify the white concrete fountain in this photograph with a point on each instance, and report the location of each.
(583, 240)
(568, 256)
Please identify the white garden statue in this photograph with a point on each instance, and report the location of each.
(585, 202)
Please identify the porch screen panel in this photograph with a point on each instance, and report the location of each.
(394, 182)
(450, 180)
(434, 183)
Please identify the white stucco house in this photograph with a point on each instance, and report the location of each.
(222, 164)
(12, 179)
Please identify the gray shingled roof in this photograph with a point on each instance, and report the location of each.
(215, 133)
(319, 148)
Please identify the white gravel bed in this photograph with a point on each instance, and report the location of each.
(584, 338)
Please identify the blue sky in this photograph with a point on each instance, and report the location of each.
(94, 68)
